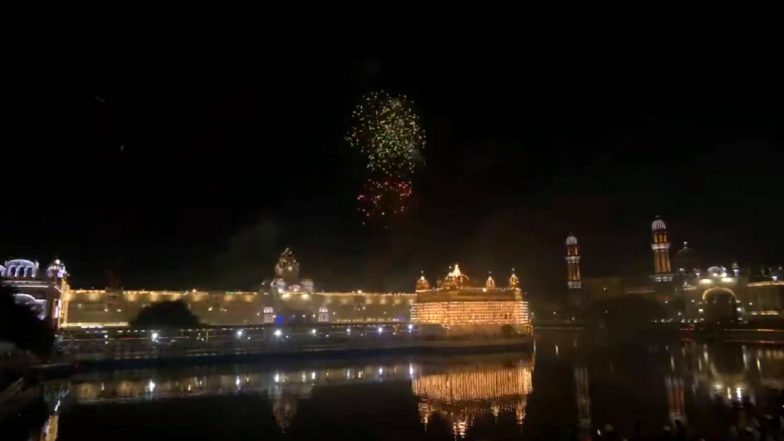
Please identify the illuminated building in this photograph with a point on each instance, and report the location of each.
(41, 291)
(573, 263)
(661, 252)
(573, 277)
(718, 292)
(289, 299)
(457, 307)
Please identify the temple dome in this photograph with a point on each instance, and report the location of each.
(287, 267)
(571, 240)
(490, 282)
(658, 224)
(514, 281)
(422, 283)
(56, 269)
(21, 268)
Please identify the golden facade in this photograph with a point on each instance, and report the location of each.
(88, 308)
(458, 307)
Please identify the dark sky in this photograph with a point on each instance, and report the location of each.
(194, 168)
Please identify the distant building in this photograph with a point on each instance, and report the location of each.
(699, 294)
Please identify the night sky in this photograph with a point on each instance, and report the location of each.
(195, 168)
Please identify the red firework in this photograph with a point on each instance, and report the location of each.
(381, 199)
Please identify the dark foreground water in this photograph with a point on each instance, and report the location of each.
(567, 388)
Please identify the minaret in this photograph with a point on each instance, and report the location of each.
(661, 252)
(573, 278)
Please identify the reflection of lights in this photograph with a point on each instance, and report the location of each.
(278, 333)
(381, 371)
(411, 370)
(727, 279)
(380, 329)
(154, 336)
(556, 350)
(239, 333)
(313, 331)
(313, 375)
(150, 386)
(237, 381)
(348, 331)
(706, 281)
(277, 378)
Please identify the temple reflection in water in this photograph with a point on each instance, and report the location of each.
(460, 395)
(458, 391)
(578, 387)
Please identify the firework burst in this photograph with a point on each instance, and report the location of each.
(386, 129)
(381, 199)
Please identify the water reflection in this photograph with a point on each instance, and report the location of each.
(457, 389)
(460, 395)
(579, 388)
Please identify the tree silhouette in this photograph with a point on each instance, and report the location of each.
(21, 326)
(165, 315)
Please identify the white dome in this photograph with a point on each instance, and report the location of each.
(571, 240)
(658, 224)
(19, 268)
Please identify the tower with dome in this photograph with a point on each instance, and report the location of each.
(688, 288)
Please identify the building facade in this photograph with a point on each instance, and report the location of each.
(40, 290)
(679, 279)
(461, 308)
(287, 300)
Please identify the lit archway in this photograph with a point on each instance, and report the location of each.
(718, 290)
(720, 304)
